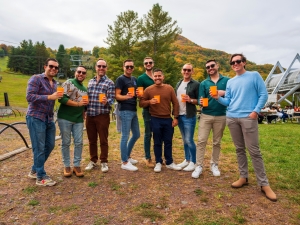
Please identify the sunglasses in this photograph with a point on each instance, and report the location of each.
(79, 72)
(103, 66)
(51, 67)
(146, 63)
(129, 67)
(211, 66)
(189, 70)
(237, 62)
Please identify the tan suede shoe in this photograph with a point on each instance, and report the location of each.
(78, 172)
(67, 172)
(269, 193)
(240, 183)
(149, 163)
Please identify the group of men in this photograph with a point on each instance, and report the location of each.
(237, 103)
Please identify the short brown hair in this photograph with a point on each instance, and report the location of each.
(127, 60)
(50, 59)
(238, 54)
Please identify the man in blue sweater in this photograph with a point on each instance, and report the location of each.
(245, 95)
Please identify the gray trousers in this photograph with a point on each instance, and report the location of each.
(244, 133)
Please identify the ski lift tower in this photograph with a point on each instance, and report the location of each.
(77, 60)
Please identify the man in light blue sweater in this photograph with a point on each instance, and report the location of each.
(245, 95)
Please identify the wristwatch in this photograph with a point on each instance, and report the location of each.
(191, 101)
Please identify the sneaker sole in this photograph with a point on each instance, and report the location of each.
(32, 177)
(44, 185)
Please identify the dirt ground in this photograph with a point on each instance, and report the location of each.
(124, 197)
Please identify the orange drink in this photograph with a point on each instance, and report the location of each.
(131, 90)
(101, 96)
(141, 91)
(157, 97)
(182, 97)
(213, 90)
(204, 102)
(60, 90)
(85, 97)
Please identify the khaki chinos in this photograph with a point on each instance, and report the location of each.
(206, 124)
(244, 133)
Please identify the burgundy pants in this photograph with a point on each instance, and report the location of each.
(98, 126)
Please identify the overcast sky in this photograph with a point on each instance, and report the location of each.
(266, 31)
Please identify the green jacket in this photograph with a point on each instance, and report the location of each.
(214, 107)
(192, 90)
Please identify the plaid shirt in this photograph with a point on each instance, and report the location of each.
(105, 85)
(37, 93)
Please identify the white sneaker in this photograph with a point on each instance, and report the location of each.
(173, 166)
(157, 168)
(183, 164)
(104, 167)
(197, 172)
(90, 166)
(129, 166)
(132, 161)
(215, 170)
(190, 167)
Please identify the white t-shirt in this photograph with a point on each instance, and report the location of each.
(182, 90)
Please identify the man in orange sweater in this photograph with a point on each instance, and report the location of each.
(158, 97)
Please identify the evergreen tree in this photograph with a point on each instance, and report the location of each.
(125, 33)
(159, 32)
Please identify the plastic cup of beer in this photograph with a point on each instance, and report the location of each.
(157, 97)
(101, 96)
(214, 90)
(60, 90)
(182, 97)
(131, 90)
(85, 98)
(141, 91)
(204, 102)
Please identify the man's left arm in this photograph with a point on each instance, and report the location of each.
(262, 94)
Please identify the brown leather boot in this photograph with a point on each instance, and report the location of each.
(149, 163)
(78, 172)
(240, 183)
(269, 193)
(67, 172)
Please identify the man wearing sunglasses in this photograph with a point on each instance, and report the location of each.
(70, 118)
(146, 80)
(187, 94)
(41, 95)
(246, 94)
(129, 120)
(213, 118)
(98, 115)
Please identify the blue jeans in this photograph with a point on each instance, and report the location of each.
(42, 136)
(66, 129)
(162, 133)
(187, 129)
(129, 122)
(148, 134)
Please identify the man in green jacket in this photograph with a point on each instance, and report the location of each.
(70, 120)
(213, 117)
(187, 90)
(146, 80)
